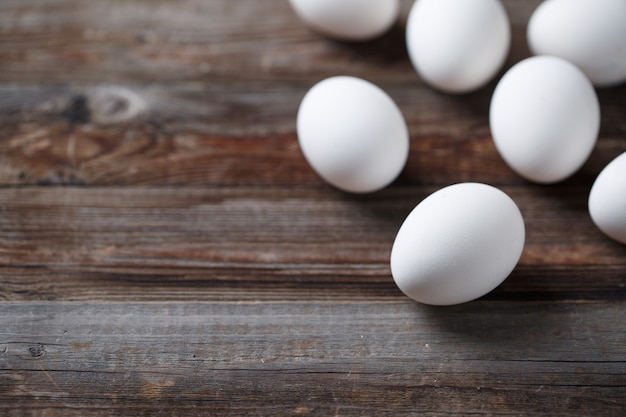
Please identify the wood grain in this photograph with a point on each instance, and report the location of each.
(166, 250)
(183, 138)
(343, 358)
(209, 243)
(150, 93)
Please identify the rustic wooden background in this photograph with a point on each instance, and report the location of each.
(165, 249)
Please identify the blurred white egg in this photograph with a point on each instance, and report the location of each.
(607, 199)
(352, 134)
(589, 33)
(458, 46)
(458, 244)
(350, 20)
(544, 118)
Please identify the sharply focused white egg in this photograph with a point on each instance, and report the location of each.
(352, 134)
(457, 244)
(544, 118)
(350, 20)
(458, 46)
(589, 33)
(607, 199)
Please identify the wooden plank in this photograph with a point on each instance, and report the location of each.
(136, 92)
(166, 250)
(313, 358)
(108, 135)
(157, 40)
(209, 243)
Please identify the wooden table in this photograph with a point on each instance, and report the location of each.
(166, 250)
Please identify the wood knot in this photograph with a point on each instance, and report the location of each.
(37, 350)
(112, 104)
(101, 105)
(77, 110)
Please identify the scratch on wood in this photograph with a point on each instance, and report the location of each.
(58, 388)
(82, 345)
(153, 389)
(71, 148)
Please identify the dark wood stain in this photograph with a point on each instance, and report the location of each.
(166, 250)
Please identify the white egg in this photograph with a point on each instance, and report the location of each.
(458, 46)
(607, 199)
(350, 20)
(589, 33)
(352, 134)
(544, 118)
(458, 244)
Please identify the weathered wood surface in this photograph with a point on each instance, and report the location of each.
(278, 243)
(165, 249)
(322, 358)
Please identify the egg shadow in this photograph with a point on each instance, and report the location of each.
(388, 207)
(388, 49)
(489, 322)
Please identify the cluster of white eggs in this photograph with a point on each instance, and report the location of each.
(463, 240)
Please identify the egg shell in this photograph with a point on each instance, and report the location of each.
(349, 20)
(589, 33)
(458, 244)
(352, 134)
(607, 200)
(544, 118)
(458, 46)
